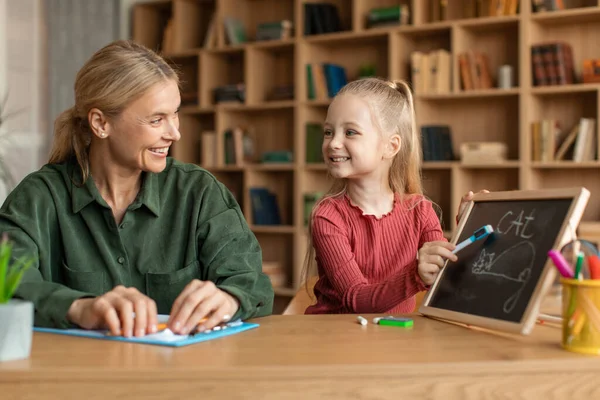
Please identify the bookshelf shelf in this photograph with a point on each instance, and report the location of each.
(471, 94)
(566, 164)
(315, 167)
(488, 23)
(290, 229)
(438, 164)
(267, 105)
(317, 103)
(272, 167)
(562, 89)
(566, 17)
(273, 44)
(504, 165)
(276, 123)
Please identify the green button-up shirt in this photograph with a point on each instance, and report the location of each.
(183, 225)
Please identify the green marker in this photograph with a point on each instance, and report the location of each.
(392, 321)
(579, 265)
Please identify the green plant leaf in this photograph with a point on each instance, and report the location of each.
(5, 252)
(15, 274)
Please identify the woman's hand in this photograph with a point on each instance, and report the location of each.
(432, 257)
(115, 310)
(464, 201)
(201, 304)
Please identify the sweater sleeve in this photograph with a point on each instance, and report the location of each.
(337, 261)
(431, 231)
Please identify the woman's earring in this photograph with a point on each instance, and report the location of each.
(102, 134)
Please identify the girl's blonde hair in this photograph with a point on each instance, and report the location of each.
(392, 108)
(111, 79)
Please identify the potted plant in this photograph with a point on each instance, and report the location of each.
(16, 328)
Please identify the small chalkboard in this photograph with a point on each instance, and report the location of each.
(498, 282)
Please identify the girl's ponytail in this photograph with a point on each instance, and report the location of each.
(70, 139)
(412, 163)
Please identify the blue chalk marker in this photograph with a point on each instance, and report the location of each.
(480, 233)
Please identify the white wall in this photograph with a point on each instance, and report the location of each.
(22, 77)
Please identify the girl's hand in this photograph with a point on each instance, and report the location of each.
(432, 257)
(201, 304)
(115, 310)
(464, 202)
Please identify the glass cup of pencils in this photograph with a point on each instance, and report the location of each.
(581, 298)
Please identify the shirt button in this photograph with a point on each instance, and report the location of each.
(121, 260)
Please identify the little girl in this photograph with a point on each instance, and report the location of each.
(376, 239)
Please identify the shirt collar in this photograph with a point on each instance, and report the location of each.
(83, 195)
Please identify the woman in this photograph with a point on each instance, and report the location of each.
(121, 231)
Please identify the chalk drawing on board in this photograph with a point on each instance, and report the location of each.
(488, 264)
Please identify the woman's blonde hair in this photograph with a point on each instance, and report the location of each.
(110, 80)
(391, 104)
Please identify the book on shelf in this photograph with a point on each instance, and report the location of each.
(585, 144)
(208, 149)
(431, 71)
(321, 18)
(556, 5)
(591, 71)
(277, 156)
(552, 64)
(275, 30)
(436, 141)
(475, 71)
(276, 273)
(324, 80)
(438, 9)
(265, 210)
(230, 93)
(388, 16)
(310, 199)
(281, 92)
(314, 142)
(238, 146)
(210, 37)
(235, 32)
(552, 143)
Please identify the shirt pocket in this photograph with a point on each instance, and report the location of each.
(164, 288)
(85, 281)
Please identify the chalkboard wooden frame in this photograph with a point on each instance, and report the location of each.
(579, 197)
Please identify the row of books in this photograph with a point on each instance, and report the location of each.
(438, 9)
(235, 31)
(388, 16)
(552, 64)
(321, 18)
(556, 5)
(324, 80)
(475, 72)
(436, 141)
(551, 143)
(239, 149)
(431, 71)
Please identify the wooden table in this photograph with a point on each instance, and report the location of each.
(310, 357)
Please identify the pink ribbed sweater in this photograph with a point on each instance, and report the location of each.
(369, 265)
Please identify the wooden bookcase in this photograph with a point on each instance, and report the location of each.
(493, 114)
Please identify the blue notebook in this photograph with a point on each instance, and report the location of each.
(163, 338)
